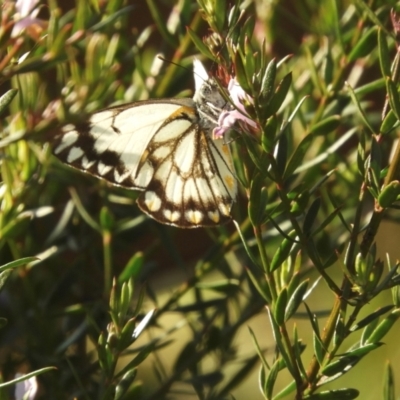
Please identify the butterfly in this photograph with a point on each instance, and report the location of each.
(163, 148)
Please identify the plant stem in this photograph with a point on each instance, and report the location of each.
(265, 263)
(108, 273)
(326, 338)
(378, 213)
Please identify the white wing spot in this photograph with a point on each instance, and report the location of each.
(86, 164)
(68, 139)
(120, 177)
(152, 201)
(224, 208)
(74, 154)
(68, 127)
(103, 168)
(194, 216)
(172, 215)
(214, 216)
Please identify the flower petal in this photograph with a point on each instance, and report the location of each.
(24, 7)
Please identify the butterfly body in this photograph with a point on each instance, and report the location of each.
(164, 148)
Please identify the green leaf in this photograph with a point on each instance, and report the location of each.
(280, 307)
(394, 99)
(371, 14)
(388, 122)
(298, 348)
(126, 295)
(126, 337)
(103, 354)
(314, 321)
(318, 348)
(279, 95)
(365, 45)
(297, 157)
(259, 351)
(339, 394)
(296, 299)
(340, 330)
(362, 351)
(384, 327)
(370, 327)
(132, 268)
(261, 286)
(27, 376)
(18, 263)
(311, 216)
(271, 379)
(250, 61)
(219, 14)
(294, 281)
(384, 58)
(281, 155)
(326, 126)
(246, 246)
(325, 154)
(200, 44)
(282, 253)
(279, 341)
(360, 110)
(269, 133)
(340, 366)
(290, 388)
(7, 98)
(241, 74)
(140, 357)
(255, 152)
(388, 383)
(257, 200)
(82, 210)
(371, 317)
(326, 222)
(123, 385)
(107, 220)
(267, 83)
(111, 18)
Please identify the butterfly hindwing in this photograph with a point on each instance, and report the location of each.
(189, 187)
(160, 148)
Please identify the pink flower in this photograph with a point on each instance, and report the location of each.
(25, 18)
(27, 389)
(228, 119)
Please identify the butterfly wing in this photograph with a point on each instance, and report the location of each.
(157, 147)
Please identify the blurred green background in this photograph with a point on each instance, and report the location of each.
(77, 58)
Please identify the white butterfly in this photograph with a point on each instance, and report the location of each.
(165, 149)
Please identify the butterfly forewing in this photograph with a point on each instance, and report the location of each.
(160, 148)
(112, 143)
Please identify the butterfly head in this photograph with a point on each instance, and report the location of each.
(209, 101)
